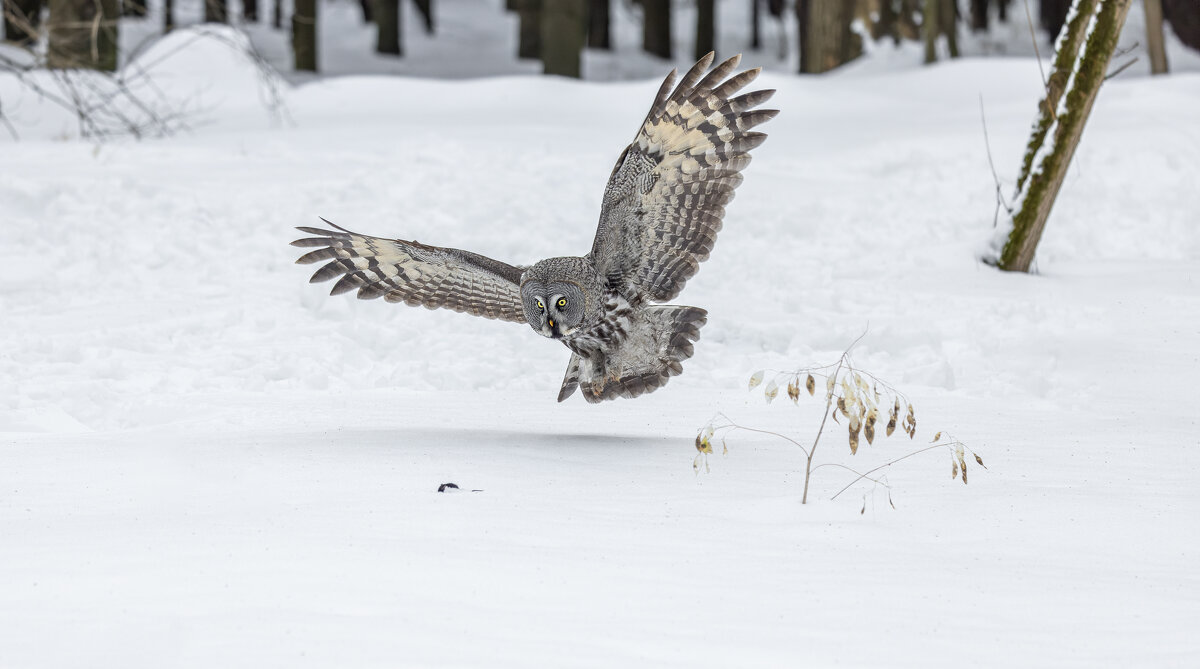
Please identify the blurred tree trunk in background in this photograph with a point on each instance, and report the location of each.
(387, 18)
(134, 8)
(1080, 66)
(83, 33)
(277, 15)
(304, 35)
(656, 27)
(529, 43)
(1154, 36)
(705, 28)
(1002, 14)
(22, 19)
(755, 24)
(940, 18)
(826, 41)
(425, 7)
(249, 11)
(564, 31)
(1184, 17)
(979, 15)
(599, 21)
(168, 15)
(368, 7)
(1054, 15)
(215, 11)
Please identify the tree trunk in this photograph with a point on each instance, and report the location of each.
(949, 17)
(304, 35)
(22, 19)
(136, 8)
(168, 16)
(387, 18)
(705, 28)
(885, 25)
(979, 16)
(1154, 36)
(1070, 94)
(425, 7)
(529, 44)
(825, 38)
(1053, 15)
(215, 11)
(83, 33)
(368, 9)
(599, 21)
(277, 15)
(564, 30)
(755, 24)
(931, 23)
(250, 11)
(1002, 10)
(1184, 17)
(656, 27)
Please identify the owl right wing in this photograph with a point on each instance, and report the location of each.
(665, 198)
(414, 273)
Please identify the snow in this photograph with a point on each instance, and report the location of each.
(206, 461)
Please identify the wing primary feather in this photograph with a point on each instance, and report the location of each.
(736, 83)
(689, 80)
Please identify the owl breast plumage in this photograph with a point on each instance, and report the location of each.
(661, 211)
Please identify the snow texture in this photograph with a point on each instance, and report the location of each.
(206, 461)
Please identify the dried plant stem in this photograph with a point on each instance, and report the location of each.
(828, 405)
(866, 474)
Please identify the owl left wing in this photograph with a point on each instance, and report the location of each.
(416, 274)
(665, 198)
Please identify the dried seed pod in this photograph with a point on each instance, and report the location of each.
(793, 390)
(869, 426)
(855, 426)
(810, 384)
(891, 426)
(724, 448)
(858, 381)
(936, 437)
(771, 391)
(829, 386)
(756, 378)
(953, 469)
(841, 405)
(980, 461)
(699, 442)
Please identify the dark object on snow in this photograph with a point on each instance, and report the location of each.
(444, 486)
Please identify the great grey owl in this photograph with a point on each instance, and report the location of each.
(661, 213)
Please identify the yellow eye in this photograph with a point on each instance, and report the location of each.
(540, 305)
(562, 302)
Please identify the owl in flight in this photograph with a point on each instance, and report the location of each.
(661, 213)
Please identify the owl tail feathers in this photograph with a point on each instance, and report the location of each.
(646, 360)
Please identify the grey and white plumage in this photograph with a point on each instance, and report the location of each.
(661, 212)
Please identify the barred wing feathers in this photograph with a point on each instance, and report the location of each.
(414, 273)
(665, 198)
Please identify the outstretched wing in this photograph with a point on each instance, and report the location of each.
(666, 196)
(416, 274)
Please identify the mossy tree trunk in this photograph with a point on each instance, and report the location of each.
(387, 20)
(529, 36)
(304, 35)
(979, 15)
(564, 32)
(277, 14)
(1154, 36)
(22, 19)
(83, 34)
(706, 28)
(1080, 65)
(368, 10)
(825, 38)
(940, 18)
(656, 27)
(168, 15)
(250, 11)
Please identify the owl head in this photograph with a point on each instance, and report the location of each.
(555, 293)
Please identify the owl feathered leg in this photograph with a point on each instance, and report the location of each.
(643, 362)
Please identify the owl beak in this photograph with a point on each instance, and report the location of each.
(551, 322)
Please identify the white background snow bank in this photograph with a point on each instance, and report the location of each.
(209, 462)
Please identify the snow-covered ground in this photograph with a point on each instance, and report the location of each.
(206, 461)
